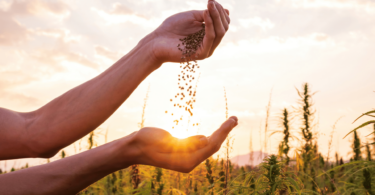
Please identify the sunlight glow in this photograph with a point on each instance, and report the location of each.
(181, 128)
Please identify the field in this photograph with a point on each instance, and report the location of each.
(307, 171)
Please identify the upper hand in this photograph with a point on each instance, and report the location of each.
(157, 147)
(166, 37)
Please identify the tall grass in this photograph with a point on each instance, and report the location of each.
(135, 177)
(268, 112)
(277, 174)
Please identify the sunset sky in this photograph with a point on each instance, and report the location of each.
(50, 46)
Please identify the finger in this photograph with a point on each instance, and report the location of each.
(191, 144)
(227, 15)
(218, 26)
(209, 35)
(227, 11)
(222, 16)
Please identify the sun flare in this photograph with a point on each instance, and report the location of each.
(180, 124)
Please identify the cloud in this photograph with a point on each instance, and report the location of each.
(12, 31)
(57, 33)
(264, 24)
(121, 14)
(62, 53)
(367, 5)
(37, 7)
(57, 56)
(102, 51)
(120, 9)
(18, 99)
(10, 80)
(13, 78)
(275, 44)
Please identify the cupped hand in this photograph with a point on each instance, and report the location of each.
(159, 148)
(166, 37)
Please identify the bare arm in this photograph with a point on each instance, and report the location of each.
(67, 118)
(149, 146)
(75, 113)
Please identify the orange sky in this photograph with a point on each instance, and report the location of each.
(48, 47)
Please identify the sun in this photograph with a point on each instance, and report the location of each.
(180, 124)
(182, 133)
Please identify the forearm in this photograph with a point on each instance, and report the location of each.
(70, 175)
(13, 135)
(84, 108)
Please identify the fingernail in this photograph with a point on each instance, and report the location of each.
(234, 118)
(234, 122)
(212, 4)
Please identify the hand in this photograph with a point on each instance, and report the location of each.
(166, 37)
(158, 148)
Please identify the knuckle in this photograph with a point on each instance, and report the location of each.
(216, 147)
(211, 35)
(221, 33)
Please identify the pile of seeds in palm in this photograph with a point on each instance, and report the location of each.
(186, 95)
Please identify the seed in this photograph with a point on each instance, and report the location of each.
(188, 47)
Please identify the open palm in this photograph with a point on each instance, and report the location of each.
(159, 148)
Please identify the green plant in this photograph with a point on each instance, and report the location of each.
(91, 140)
(306, 129)
(285, 143)
(272, 173)
(356, 147)
(209, 175)
(157, 185)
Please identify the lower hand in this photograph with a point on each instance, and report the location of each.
(157, 147)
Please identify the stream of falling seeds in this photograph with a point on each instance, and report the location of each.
(186, 95)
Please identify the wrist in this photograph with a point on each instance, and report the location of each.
(126, 151)
(146, 45)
